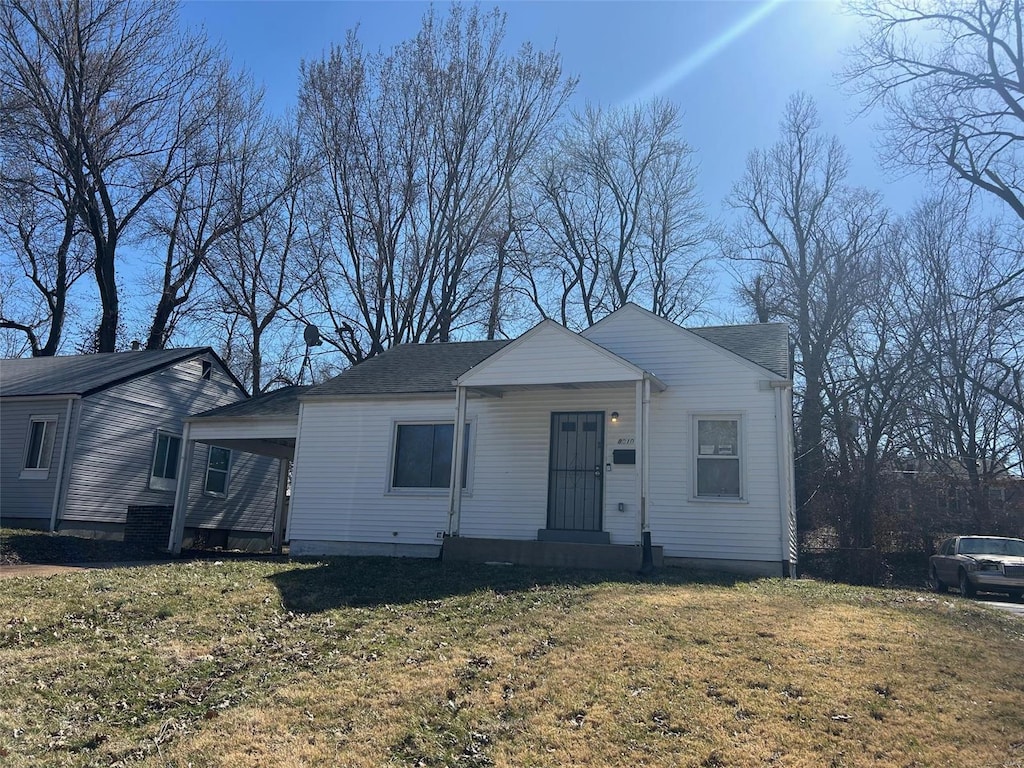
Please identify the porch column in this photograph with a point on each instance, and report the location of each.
(458, 450)
(279, 514)
(645, 476)
(641, 440)
(181, 491)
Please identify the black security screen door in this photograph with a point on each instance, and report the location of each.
(575, 483)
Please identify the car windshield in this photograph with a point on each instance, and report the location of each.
(992, 547)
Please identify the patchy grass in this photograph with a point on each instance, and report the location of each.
(376, 662)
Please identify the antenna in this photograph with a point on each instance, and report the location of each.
(312, 338)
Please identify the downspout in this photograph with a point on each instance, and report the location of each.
(181, 491)
(785, 472)
(458, 450)
(60, 468)
(645, 478)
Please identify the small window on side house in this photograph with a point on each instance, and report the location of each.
(218, 464)
(164, 473)
(39, 447)
(717, 458)
(206, 369)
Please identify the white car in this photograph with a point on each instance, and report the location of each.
(979, 563)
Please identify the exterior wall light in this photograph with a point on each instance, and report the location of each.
(615, 417)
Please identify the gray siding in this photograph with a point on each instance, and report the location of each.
(115, 442)
(249, 503)
(23, 496)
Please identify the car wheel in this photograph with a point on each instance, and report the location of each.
(966, 588)
(938, 585)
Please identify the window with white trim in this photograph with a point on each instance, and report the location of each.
(718, 464)
(218, 464)
(39, 446)
(164, 473)
(423, 456)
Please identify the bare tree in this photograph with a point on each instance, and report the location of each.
(42, 242)
(950, 76)
(265, 264)
(965, 421)
(618, 218)
(872, 384)
(216, 186)
(418, 147)
(805, 240)
(98, 93)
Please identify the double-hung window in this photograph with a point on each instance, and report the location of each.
(164, 473)
(218, 464)
(423, 456)
(39, 447)
(718, 460)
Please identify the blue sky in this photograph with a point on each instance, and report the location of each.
(731, 65)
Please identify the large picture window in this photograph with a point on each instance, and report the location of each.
(218, 464)
(164, 474)
(39, 448)
(423, 456)
(717, 458)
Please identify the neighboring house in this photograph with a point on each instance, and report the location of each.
(575, 447)
(84, 439)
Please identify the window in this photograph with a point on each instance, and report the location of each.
(717, 470)
(39, 448)
(165, 462)
(218, 463)
(423, 456)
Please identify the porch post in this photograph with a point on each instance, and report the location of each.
(455, 481)
(181, 491)
(279, 515)
(641, 440)
(645, 476)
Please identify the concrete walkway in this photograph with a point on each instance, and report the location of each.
(34, 569)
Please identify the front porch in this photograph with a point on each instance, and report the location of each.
(548, 554)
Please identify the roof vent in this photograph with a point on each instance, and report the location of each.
(136, 345)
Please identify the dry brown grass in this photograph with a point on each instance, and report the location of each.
(390, 663)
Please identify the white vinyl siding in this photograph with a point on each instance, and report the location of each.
(342, 491)
(702, 379)
(39, 447)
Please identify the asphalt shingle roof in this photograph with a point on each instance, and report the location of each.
(83, 374)
(766, 344)
(409, 369)
(278, 402)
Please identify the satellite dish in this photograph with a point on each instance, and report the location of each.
(312, 336)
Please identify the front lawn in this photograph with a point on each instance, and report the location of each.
(376, 662)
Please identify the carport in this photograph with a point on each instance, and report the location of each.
(266, 425)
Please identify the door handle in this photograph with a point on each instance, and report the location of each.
(597, 471)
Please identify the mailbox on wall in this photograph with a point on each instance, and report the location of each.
(623, 456)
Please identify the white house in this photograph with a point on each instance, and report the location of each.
(574, 448)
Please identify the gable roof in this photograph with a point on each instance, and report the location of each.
(549, 353)
(277, 402)
(409, 369)
(766, 344)
(87, 374)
